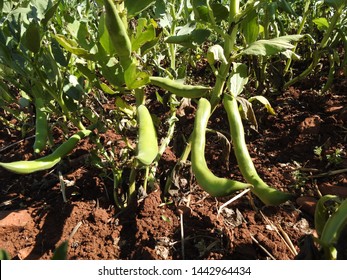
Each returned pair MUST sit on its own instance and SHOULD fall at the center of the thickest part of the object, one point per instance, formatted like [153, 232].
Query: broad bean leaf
[272, 46]
[72, 47]
[265, 102]
[190, 40]
[50, 13]
[322, 23]
[200, 10]
[337, 4]
[216, 54]
[104, 37]
[250, 27]
[220, 12]
[285, 6]
[135, 7]
[144, 34]
[238, 78]
[58, 53]
[134, 78]
[247, 112]
[61, 252]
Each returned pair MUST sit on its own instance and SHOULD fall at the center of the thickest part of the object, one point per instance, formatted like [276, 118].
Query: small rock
[311, 125]
[14, 218]
[307, 204]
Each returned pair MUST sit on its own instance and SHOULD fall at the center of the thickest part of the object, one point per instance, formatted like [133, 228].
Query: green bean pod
[41, 126]
[267, 194]
[332, 230]
[181, 90]
[147, 147]
[118, 33]
[325, 205]
[212, 184]
[47, 162]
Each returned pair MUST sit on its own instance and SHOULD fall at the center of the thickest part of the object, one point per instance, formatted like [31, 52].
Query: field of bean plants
[173, 129]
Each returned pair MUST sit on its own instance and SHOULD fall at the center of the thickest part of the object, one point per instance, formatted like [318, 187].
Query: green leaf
[50, 13]
[58, 53]
[200, 10]
[247, 112]
[135, 7]
[220, 11]
[272, 46]
[285, 6]
[134, 78]
[4, 255]
[337, 4]
[238, 79]
[143, 34]
[322, 23]
[33, 37]
[72, 47]
[104, 37]
[125, 107]
[190, 40]
[265, 102]
[215, 54]
[250, 27]
[61, 252]
[106, 88]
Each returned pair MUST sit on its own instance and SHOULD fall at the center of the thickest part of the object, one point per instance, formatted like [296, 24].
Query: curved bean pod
[179, 89]
[118, 33]
[212, 184]
[267, 194]
[147, 148]
[333, 228]
[47, 162]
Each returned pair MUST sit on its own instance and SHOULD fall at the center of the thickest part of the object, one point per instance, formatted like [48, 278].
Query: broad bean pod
[181, 90]
[332, 230]
[212, 184]
[118, 34]
[267, 194]
[147, 147]
[47, 162]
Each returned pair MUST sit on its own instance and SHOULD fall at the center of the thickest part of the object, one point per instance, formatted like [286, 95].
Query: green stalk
[301, 27]
[318, 52]
[331, 28]
[229, 44]
[331, 74]
[132, 186]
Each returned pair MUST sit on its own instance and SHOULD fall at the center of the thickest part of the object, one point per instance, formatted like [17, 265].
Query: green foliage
[67, 59]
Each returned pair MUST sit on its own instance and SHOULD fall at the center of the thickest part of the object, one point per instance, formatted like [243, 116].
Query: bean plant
[67, 59]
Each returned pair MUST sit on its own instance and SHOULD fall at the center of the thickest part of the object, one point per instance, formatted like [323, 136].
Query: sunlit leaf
[238, 78]
[265, 102]
[134, 78]
[135, 7]
[247, 112]
[71, 46]
[322, 23]
[272, 46]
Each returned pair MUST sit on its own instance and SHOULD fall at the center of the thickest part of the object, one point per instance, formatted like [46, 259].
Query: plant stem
[301, 27]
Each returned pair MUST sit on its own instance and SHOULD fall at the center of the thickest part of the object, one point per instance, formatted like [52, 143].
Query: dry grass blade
[16, 143]
[232, 200]
[329, 173]
[75, 230]
[284, 236]
[263, 248]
